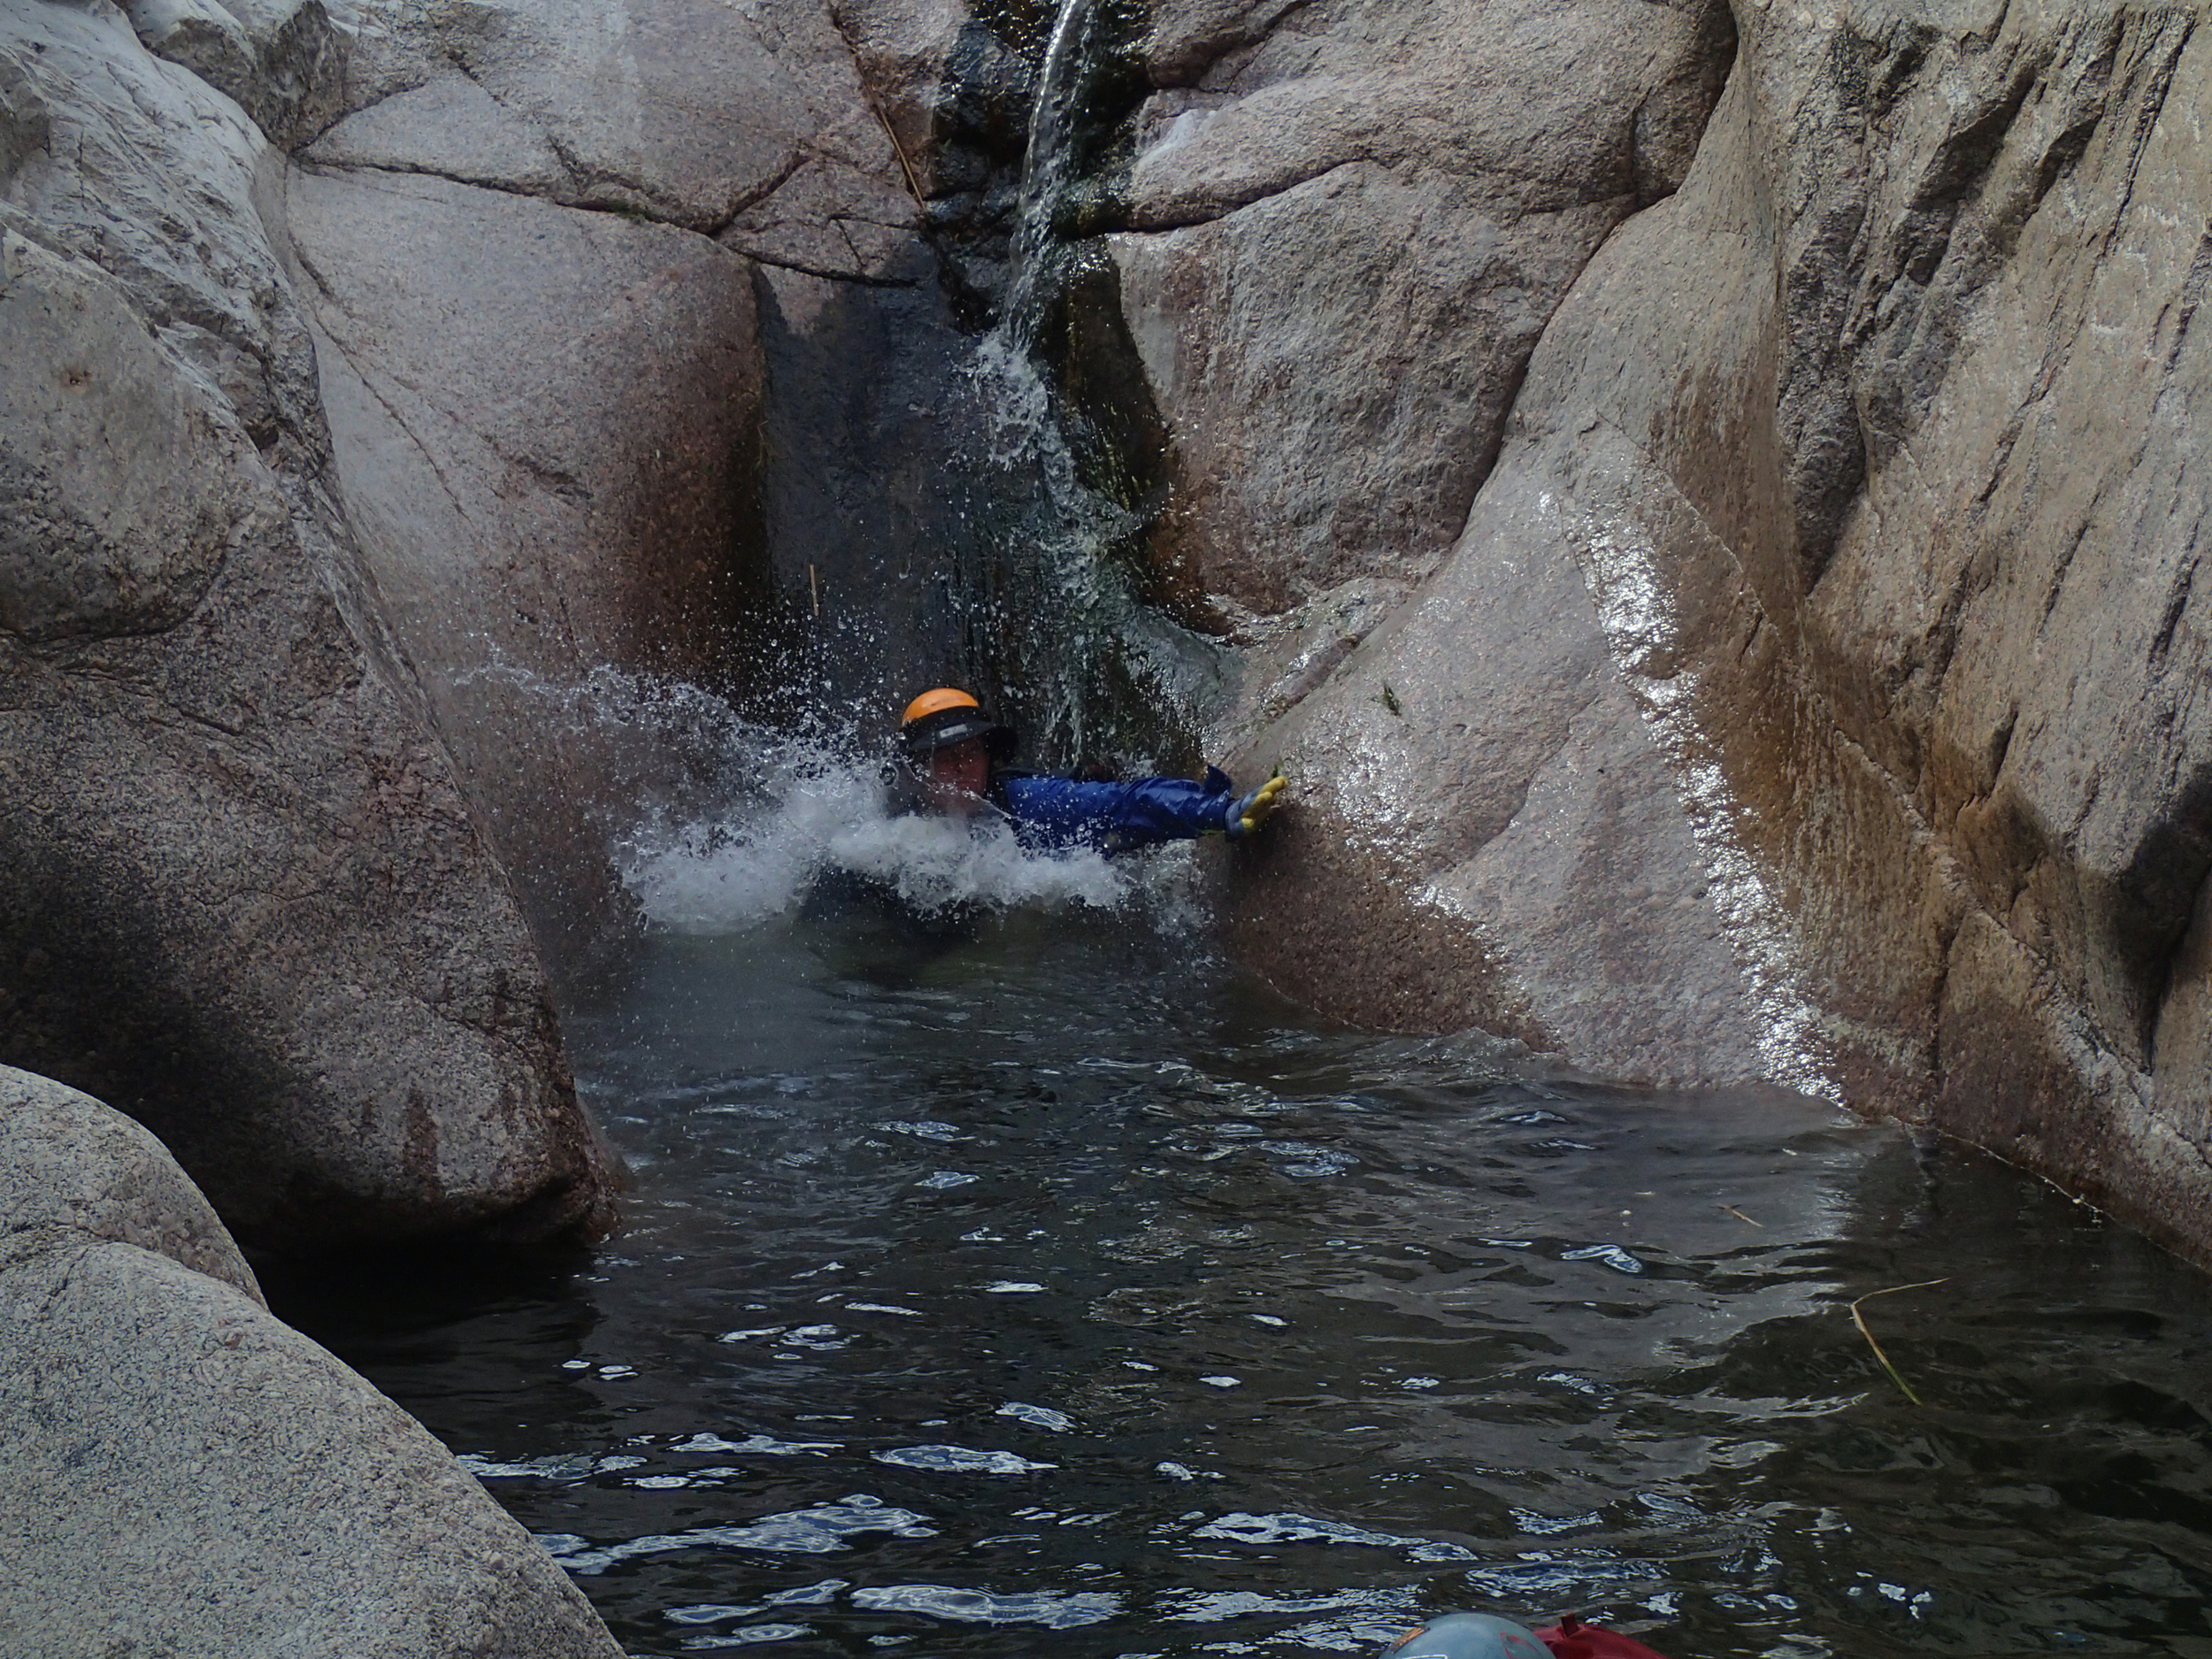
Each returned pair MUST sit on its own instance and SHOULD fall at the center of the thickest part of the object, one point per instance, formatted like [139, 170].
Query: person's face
[958, 775]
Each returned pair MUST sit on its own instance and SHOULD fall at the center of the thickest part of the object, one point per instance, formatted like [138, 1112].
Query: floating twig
[1740, 1216]
[814, 589]
[1895, 1376]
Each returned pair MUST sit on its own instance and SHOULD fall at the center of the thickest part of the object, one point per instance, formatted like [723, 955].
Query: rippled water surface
[1053, 1290]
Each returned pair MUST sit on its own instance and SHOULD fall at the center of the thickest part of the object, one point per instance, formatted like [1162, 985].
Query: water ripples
[823, 1530]
[1245, 1339]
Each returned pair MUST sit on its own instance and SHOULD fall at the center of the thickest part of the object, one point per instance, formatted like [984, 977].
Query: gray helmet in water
[1468, 1636]
[940, 718]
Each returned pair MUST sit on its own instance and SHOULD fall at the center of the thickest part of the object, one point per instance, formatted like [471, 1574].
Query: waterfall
[963, 541]
[1090, 670]
[1048, 164]
[927, 518]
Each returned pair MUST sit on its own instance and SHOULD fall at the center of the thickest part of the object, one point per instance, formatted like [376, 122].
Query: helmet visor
[947, 726]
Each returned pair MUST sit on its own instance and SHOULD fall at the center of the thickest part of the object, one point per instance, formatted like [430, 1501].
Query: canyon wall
[1700, 496]
[244, 893]
[388, 460]
[1809, 691]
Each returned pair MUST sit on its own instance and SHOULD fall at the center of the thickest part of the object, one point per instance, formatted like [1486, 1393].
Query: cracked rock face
[189, 1475]
[1349, 222]
[241, 894]
[1812, 692]
[747, 123]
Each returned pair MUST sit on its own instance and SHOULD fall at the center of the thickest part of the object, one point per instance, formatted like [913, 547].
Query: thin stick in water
[814, 590]
[1895, 1376]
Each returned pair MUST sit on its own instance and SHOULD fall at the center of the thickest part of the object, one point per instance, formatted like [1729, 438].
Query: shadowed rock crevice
[280, 60]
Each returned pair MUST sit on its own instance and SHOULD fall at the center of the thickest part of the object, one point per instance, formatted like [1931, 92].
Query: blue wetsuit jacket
[1113, 816]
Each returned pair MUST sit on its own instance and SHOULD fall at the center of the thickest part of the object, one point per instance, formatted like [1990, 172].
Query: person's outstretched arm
[1144, 813]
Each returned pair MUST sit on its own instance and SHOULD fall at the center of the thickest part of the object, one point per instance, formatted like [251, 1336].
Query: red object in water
[1572, 1639]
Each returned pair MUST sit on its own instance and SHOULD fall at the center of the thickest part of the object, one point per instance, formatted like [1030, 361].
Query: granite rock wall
[242, 892]
[1811, 689]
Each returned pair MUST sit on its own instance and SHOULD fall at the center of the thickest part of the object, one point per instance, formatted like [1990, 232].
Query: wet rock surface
[549, 474]
[1814, 678]
[186, 1474]
[244, 896]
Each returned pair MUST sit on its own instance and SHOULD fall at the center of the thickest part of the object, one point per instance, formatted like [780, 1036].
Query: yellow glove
[1248, 812]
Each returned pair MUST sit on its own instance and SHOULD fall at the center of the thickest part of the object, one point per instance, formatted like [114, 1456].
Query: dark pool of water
[1057, 1291]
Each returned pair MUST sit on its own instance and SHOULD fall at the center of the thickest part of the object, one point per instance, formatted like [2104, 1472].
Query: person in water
[959, 755]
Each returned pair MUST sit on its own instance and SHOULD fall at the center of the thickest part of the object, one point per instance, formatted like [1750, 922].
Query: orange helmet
[930, 702]
[946, 716]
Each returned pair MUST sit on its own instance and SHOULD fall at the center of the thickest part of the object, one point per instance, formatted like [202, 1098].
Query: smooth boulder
[242, 894]
[1345, 230]
[549, 475]
[188, 1476]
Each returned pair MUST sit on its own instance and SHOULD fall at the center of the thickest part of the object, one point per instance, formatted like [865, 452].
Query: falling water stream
[1006, 1273]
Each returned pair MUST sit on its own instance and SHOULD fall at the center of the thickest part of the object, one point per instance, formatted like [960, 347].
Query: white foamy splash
[819, 814]
[734, 824]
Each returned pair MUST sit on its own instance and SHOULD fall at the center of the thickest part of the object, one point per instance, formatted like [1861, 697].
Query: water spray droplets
[792, 814]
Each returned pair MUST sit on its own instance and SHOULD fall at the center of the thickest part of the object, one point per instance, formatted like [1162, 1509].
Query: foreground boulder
[1813, 690]
[186, 1474]
[242, 893]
